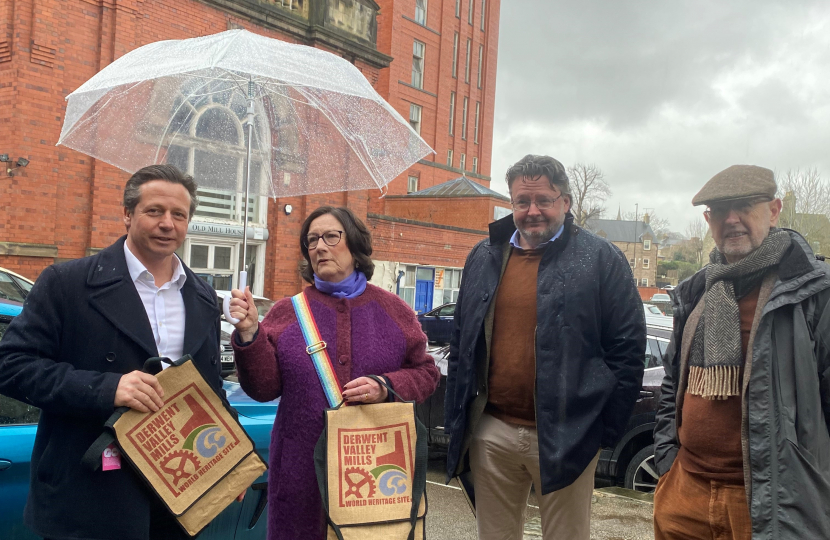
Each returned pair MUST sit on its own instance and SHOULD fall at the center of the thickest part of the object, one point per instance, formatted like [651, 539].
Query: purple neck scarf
[351, 287]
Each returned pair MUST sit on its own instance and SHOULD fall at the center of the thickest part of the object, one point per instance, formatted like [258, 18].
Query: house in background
[636, 240]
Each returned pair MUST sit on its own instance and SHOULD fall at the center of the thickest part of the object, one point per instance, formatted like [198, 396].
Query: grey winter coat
[786, 427]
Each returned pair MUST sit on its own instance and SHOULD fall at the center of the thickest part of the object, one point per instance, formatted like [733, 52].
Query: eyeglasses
[330, 238]
[542, 203]
[741, 207]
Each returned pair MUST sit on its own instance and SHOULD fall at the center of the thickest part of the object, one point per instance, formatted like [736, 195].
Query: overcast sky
[663, 95]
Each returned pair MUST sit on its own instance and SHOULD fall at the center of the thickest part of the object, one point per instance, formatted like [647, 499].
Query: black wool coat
[83, 325]
[590, 349]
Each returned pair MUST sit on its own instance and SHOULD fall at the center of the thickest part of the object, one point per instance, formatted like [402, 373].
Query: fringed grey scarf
[715, 360]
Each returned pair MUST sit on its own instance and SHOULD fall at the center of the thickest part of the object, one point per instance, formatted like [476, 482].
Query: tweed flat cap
[737, 182]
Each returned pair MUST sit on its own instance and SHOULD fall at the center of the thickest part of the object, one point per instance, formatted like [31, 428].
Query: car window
[263, 306]
[9, 289]
[17, 412]
[447, 311]
[654, 358]
[23, 284]
[4, 323]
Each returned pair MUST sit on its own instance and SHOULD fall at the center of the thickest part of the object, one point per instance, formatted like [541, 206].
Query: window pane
[464, 119]
[222, 258]
[410, 276]
[421, 11]
[198, 256]
[218, 124]
[452, 111]
[222, 283]
[449, 158]
[214, 170]
[8, 289]
[467, 64]
[448, 311]
[455, 55]
[480, 62]
[454, 296]
[447, 296]
[425, 274]
[483, 5]
[409, 296]
[25, 285]
[470, 14]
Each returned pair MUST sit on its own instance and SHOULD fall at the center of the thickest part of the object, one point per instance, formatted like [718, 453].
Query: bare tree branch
[588, 192]
[806, 197]
[696, 230]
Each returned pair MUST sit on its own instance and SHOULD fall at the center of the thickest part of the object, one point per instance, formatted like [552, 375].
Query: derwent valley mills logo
[375, 465]
[184, 440]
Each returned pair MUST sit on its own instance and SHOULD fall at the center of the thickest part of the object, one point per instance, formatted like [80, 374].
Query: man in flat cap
[742, 440]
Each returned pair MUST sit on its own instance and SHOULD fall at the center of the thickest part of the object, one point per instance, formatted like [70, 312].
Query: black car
[437, 324]
[630, 463]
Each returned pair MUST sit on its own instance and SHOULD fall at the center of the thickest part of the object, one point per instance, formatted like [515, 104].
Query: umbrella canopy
[318, 125]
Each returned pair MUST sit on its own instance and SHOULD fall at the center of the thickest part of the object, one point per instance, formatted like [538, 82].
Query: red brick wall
[466, 213]
[412, 243]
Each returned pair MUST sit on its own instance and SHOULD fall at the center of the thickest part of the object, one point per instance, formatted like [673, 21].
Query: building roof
[460, 187]
[620, 230]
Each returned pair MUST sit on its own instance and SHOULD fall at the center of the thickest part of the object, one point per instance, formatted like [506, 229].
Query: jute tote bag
[192, 452]
[370, 460]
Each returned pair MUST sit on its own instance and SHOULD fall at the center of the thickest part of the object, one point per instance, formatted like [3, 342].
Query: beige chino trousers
[504, 461]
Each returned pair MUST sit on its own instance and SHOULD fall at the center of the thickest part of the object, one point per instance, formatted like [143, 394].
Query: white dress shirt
[164, 305]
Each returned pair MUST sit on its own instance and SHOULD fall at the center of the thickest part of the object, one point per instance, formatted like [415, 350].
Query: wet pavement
[615, 514]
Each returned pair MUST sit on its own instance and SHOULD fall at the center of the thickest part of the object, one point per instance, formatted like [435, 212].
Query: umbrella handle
[226, 303]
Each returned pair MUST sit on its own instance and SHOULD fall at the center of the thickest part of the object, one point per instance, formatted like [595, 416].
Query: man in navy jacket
[77, 350]
[546, 359]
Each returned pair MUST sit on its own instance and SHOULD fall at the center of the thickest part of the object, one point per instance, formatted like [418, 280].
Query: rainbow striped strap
[316, 349]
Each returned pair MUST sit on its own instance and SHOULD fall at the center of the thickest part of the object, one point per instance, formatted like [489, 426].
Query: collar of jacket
[114, 295]
[503, 229]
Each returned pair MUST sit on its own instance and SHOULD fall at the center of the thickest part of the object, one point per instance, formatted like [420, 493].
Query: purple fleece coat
[375, 333]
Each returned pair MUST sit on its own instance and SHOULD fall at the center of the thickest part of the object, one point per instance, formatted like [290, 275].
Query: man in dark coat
[742, 436]
[77, 349]
[546, 359]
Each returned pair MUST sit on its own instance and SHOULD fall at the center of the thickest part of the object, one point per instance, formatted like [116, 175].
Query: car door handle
[5, 464]
[645, 394]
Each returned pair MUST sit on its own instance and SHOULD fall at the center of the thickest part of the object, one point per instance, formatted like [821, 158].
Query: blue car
[18, 424]
[437, 324]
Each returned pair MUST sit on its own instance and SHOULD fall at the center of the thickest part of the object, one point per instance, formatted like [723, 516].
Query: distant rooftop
[617, 230]
[460, 187]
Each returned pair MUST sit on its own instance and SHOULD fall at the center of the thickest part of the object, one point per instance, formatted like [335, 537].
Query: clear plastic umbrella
[243, 112]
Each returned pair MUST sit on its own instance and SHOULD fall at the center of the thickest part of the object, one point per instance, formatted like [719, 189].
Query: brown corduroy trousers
[688, 507]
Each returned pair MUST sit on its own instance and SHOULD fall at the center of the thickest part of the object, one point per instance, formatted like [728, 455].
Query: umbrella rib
[84, 121]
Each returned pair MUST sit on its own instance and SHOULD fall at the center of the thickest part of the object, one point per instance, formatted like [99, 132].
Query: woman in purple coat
[368, 331]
